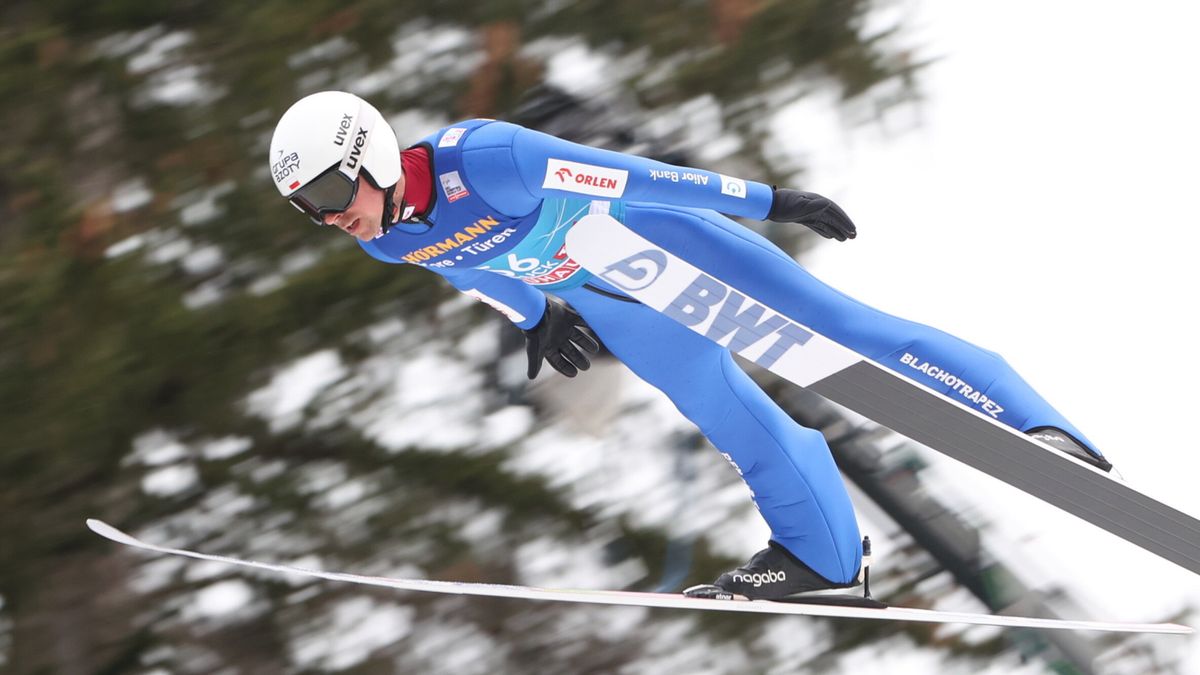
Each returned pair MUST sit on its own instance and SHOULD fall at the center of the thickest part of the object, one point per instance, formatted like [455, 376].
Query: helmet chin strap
[389, 207]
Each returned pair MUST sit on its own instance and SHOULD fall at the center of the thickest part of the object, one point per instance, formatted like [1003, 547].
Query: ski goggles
[330, 192]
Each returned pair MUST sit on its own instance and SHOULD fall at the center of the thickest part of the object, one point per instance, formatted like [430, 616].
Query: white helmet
[322, 143]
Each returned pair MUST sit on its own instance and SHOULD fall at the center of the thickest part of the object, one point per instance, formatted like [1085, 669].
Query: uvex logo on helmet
[343, 127]
[760, 578]
[360, 140]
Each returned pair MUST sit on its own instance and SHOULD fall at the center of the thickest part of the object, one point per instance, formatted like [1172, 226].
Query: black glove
[558, 338]
[813, 210]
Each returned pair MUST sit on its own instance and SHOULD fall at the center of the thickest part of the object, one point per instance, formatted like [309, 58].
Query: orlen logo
[588, 179]
[637, 271]
[758, 579]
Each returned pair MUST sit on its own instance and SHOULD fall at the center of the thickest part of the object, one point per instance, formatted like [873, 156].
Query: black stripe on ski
[931, 420]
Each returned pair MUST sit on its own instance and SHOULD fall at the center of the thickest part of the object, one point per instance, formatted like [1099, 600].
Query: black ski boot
[1066, 443]
[772, 574]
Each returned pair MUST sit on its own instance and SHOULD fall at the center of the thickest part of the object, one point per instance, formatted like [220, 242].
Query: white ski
[713, 308]
[667, 600]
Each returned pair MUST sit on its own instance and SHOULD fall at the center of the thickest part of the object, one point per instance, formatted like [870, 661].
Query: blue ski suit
[504, 198]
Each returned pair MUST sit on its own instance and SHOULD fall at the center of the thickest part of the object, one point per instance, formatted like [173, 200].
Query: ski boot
[772, 574]
[1066, 443]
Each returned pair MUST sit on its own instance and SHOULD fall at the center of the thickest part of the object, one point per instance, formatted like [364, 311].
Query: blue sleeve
[514, 168]
[523, 304]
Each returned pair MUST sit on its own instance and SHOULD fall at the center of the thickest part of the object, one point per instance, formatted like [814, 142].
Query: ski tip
[109, 532]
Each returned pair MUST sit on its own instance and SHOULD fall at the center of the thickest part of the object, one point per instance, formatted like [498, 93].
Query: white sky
[1044, 209]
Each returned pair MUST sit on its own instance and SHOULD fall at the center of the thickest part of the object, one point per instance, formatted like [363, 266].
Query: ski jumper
[504, 198]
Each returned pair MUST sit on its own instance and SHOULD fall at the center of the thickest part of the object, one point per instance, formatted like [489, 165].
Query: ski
[663, 600]
[665, 282]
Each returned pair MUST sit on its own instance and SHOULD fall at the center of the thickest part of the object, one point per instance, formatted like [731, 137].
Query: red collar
[418, 179]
